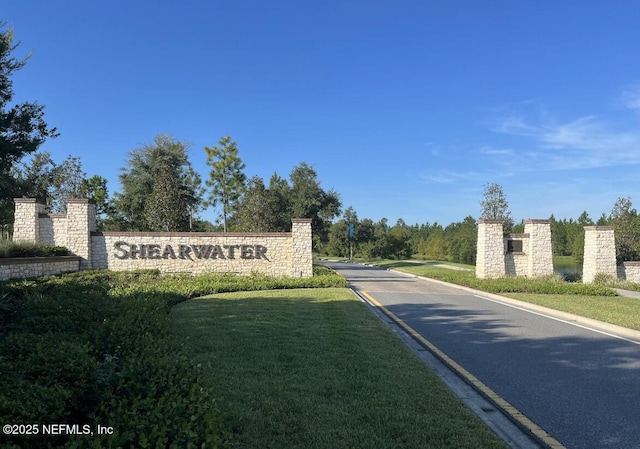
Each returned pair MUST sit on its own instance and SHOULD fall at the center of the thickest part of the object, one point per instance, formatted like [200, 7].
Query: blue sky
[406, 108]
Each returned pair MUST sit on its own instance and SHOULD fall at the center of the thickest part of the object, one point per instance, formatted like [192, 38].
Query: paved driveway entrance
[580, 385]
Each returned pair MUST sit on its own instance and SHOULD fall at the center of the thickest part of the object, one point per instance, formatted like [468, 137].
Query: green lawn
[617, 310]
[313, 368]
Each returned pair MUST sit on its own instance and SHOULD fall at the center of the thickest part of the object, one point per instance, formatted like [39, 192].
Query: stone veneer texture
[540, 252]
[629, 271]
[490, 261]
[275, 254]
[599, 252]
[26, 267]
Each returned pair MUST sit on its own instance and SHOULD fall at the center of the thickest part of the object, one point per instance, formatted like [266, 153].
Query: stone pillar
[301, 248]
[26, 224]
[540, 251]
[81, 221]
[599, 252]
[490, 250]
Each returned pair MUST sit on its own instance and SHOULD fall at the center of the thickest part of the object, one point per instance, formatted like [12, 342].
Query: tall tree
[340, 242]
[436, 248]
[95, 188]
[309, 200]
[255, 214]
[226, 178]
[22, 126]
[495, 205]
[462, 238]
[40, 177]
[279, 197]
[167, 198]
[67, 180]
[193, 183]
[155, 193]
[398, 244]
[626, 220]
[33, 176]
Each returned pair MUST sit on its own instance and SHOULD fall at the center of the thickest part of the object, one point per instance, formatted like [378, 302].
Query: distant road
[580, 385]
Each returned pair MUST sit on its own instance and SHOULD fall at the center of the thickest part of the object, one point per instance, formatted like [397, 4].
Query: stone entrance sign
[529, 254]
[274, 254]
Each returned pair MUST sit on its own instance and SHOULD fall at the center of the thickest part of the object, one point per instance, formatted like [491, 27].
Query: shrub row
[29, 249]
[93, 348]
[546, 285]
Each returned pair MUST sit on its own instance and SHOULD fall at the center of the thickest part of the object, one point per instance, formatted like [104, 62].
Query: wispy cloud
[496, 152]
[450, 177]
[585, 142]
[630, 97]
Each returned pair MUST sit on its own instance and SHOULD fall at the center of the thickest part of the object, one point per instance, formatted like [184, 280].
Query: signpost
[351, 234]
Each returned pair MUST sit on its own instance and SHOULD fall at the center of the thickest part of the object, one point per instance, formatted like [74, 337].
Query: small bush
[572, 276]
[604, 279]
[29, 249]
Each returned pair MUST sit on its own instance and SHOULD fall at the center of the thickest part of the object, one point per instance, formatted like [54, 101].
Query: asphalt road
[581, 386]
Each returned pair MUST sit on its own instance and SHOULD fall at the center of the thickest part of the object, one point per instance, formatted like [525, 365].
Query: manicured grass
[313, 368]
[617, 310]
[544, 285]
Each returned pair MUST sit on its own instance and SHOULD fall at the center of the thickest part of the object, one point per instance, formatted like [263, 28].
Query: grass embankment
[594, 301]
[315, 369]
[299, 368]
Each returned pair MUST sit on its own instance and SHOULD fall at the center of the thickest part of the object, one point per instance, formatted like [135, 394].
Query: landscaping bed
[95, 349]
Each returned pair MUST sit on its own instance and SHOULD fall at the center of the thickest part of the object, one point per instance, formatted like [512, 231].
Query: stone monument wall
[274, 254]
[529, 254]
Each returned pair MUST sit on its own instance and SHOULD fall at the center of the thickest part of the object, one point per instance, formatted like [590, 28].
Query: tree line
[160, 191]
[457, 242]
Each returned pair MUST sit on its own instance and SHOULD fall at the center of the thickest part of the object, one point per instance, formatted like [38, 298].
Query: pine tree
[226, 179]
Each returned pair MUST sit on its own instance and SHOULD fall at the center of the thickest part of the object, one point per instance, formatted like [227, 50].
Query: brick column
[540, 252]
[490, 250]
[301, 248]
[599, 252]
[26, 222]
[81, 221]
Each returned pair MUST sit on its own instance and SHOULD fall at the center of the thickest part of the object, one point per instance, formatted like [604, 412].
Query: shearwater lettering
[124, 250]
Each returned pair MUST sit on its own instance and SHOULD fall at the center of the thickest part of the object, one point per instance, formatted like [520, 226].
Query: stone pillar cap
[29, 200]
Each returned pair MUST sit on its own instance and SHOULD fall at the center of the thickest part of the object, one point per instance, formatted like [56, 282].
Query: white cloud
[515, 125]
[443, 177]
[631, 97]
[496, 152]
[586, 142]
